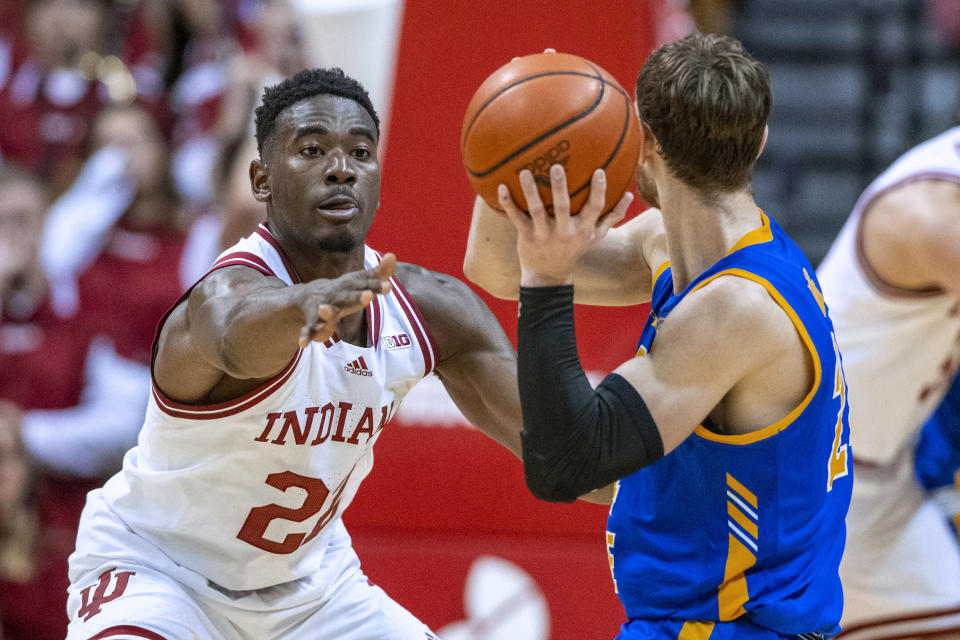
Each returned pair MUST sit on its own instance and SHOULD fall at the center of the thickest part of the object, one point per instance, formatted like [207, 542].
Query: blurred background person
[69, 409]
[117, 236]
[892, 283]
[52, 94]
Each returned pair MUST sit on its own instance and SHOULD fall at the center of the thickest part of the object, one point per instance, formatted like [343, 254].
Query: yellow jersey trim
[659, 272]
[783, 423]
[758, 236]
[696, 630]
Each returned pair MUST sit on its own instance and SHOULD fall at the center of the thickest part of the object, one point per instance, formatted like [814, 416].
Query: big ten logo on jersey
[95, 596]
[399, 341]
[328, 422]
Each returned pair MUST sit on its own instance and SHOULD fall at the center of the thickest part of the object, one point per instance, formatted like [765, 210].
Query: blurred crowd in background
[125, 137]
[125, 134]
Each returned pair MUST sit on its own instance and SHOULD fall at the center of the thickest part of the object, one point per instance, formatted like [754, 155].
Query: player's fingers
[594, 207]
[386, 268]
[550, 50]
[618, 213]
[538, 214]
[510, 208]
[561, 198]
[321, 328]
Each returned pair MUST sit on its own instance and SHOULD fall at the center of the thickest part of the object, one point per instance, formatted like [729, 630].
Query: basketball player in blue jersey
[726, 437]
[273, 377]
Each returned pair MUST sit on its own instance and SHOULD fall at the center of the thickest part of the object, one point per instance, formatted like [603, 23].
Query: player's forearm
[256, 335]
[575, 439]
[491, 257]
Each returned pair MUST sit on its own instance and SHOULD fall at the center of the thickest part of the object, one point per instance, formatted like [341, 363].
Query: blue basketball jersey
[937, 459]
[740, 536]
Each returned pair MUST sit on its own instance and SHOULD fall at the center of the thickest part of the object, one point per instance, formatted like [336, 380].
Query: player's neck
[312, 264]
[700, 233]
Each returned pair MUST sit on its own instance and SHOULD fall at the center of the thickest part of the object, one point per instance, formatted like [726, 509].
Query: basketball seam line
[548, 133]
[623, 134]
[623, 131]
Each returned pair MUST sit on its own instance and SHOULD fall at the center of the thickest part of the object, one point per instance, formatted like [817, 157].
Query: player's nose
[339, 169]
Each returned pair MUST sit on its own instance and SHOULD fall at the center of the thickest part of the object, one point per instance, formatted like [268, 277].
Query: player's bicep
[180, 370]
[477, 362]
[225, 319]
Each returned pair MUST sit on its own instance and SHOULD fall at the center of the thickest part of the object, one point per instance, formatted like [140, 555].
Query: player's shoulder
[921, 205]
[454, 313]
[740, 309]
[437, 293]
[231, 279]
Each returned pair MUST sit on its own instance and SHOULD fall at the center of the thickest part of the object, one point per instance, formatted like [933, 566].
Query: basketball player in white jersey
[892, 283]
[272, 379]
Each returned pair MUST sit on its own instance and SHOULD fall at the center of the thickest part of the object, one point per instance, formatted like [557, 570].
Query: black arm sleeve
[575, 439]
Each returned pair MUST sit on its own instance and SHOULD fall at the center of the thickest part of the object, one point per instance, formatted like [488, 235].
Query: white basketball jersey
[900, 348]
[244, 492]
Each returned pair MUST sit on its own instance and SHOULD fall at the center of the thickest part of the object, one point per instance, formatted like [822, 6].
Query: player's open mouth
[338, 209]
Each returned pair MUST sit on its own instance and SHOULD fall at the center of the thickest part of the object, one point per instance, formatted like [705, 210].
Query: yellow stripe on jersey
[696, 630]
[748, 525]
[815, 292]
[733, 593]
[786, 421]
[745, 493]
[658, 273]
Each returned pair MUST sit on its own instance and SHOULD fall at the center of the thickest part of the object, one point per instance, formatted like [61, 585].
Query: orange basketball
[545, 109]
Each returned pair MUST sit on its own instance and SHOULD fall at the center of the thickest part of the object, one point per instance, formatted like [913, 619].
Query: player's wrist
[529, 278]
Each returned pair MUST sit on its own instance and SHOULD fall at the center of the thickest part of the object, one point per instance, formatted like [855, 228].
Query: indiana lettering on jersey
[331, 422]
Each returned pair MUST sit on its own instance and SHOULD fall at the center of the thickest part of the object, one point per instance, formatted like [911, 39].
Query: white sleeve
[90, 439]
[78, 222]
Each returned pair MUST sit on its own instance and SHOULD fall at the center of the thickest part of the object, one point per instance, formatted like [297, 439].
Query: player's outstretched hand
[339, 298]
[550, 245]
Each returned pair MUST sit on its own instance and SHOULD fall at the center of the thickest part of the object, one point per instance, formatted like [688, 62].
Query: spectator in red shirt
[69, 408]
[118, 234]
[52, 95]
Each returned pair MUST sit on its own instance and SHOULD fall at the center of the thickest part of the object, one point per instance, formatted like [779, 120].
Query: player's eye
[311, 150]
[361, 153]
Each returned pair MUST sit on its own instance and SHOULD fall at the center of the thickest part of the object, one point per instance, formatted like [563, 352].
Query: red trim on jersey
[866, 630]
[264, 232]
[224, 409]
[375, 321]
[242, 258]
[128, 630]
[428, 347]
[874, 278]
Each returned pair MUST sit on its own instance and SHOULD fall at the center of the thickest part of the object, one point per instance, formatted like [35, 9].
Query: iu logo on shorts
[90, 605]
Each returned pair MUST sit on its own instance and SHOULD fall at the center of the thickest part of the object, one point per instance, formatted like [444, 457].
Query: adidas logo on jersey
[358, 367]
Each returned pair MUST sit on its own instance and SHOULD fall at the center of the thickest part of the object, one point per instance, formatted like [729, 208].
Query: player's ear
[260, 180]
[648, 142]
[763, 141]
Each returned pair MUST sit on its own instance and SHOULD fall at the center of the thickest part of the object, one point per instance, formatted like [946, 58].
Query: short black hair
[306, 84]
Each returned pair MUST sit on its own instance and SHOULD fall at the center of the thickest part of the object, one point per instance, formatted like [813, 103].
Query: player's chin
[337, 241]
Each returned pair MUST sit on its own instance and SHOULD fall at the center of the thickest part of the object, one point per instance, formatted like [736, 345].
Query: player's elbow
[544, 483]
[551, 491]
